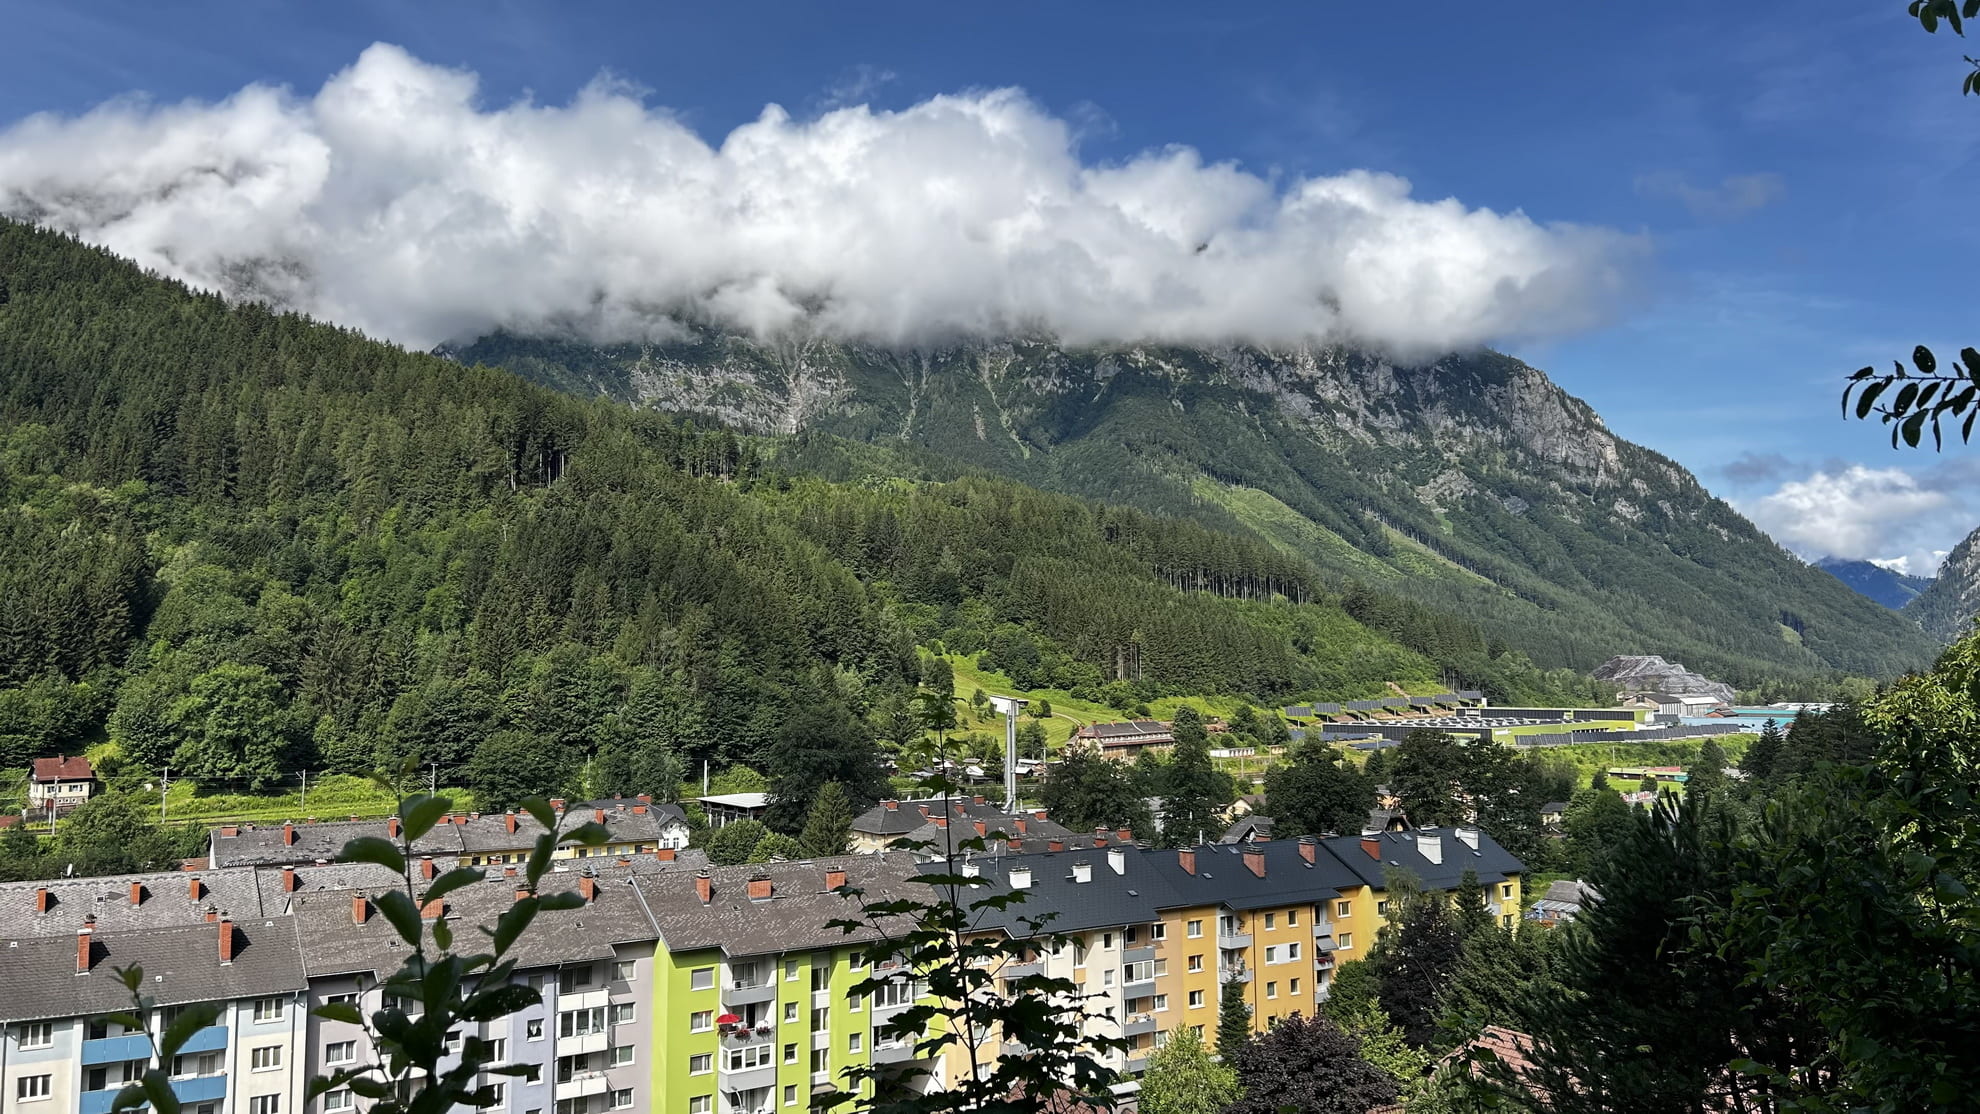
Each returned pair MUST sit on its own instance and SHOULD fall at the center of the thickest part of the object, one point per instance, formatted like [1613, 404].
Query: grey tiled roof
[266, 845]
[166, 900]
[793, 918]
[457, 834]
[180, 965]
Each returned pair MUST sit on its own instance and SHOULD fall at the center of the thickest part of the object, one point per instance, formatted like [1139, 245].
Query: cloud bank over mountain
[393, 200]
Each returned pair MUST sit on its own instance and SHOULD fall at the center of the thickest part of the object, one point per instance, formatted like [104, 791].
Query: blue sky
[1799, 178]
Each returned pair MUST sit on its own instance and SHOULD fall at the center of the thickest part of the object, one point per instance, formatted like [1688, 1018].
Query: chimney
[288, 833]
[1373, 846]
[941, 821]
[83, 943]
[1020, 878]
[426, 868]
[212, 913]
[433, 910]
[970, 869]
[598, 816]
[229, 831]
[664, 854]
[556, 804]
[194, 888]
[1186, 858]
[1020, 821]
[891, 806]
[354, 818]
[624, 860]
[1038, 814]
[835, 878]
[759, 887]
[1055, 844]
[1468, 836]
[360, 909]
[924, 810]
[982, 829]
[978, 798]
[289, 882]
[588, 886]
[1254, 860]
[1117, 860]
[137, 892]
[1430, 845]
[508, 872]
[704, 886]
[644, 798]
[522, 892]
[1015, 846]
[1124, 835]
[226, 940]
[460, 819]
[1308, 847]
[1082, 872]
[639, 810]
[391, 827]
[42, 899]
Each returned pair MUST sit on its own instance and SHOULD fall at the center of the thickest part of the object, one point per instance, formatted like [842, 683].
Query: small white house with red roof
[59, 784]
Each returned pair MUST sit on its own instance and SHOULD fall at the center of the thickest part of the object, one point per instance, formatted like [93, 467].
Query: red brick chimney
[644, 798]
[508, 872]
[360, 909]
[392, 827]
[639, 810]
[521, 892]
[704, 886]
[509, 822]
[1099, 837]
[426, 867]
[759, 888]
[1056, 844]
[982, 829]
[1038, 814]
[1373, 846]
[194, 888]
[1016, 846]
[289, 882]
[1186, 858]
[83, 944]
[229, 831]
[978, 798]
[940, 821]
[588, 886]
[226, 940]
[1254, 860]
[1020, 822]
[624, 860]
[598, 815]
[288, 833]
[43, 900]
[1308, 847]
[212, 913]
[664, 854]
[1124, 835]
[556, 804]
[891, 806]
[835, 878]
[137, 893]
[433, 910]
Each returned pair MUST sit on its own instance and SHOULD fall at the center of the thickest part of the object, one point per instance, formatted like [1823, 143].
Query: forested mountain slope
[1948, 604]
[1875, 582]
[1474, 486]
[244, 543]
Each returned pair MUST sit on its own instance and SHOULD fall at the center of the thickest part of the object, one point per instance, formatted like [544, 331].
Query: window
[622, 1013]
[622, 1098]
[1272, 953]
[1271, 990]
[1139, 972]
[1107, 941]
[1158, 931]
[574, 979]
[820, 1019]
[337, 1100]
[498, 1050]
[533, 1029]
[340, 1052]
[856, 1043]
[748, 1056]
[821, 976]
[266, 1058]
[104, 1078]
[1292, 918]
[1345, 942]
[898, 992]
[1293, 987]
[790, 1054]
[790, 1094]
[500, 1092]
[701, 1064]
[577, 1023]
[821, 1061]
[700, 1104]
[1342, 908]
[98, 1030]
[701, 978]
[451, 1043]
[790, 1013]
[623, 970]
[859, 961]
[29, 1087]
[1196, 962]
[1271, 921]
[700, 1021]
[619, 1056]
[1292, 952]
[1382, 908]
[196, 1063]
[1107, 977]
[1161, 1003]
[1196, 999]
[1505, 891]
[790, 970]
[267, 1009]
[265, 1104]
[37, 1034]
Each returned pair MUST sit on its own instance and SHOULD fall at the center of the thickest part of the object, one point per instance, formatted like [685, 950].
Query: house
[60, 784]
[1679, 704]
[726, 808]
[1126, 739]
[634, 826]
[1563, 903]
[1249, 828]
[935, 824]
[1553, 812]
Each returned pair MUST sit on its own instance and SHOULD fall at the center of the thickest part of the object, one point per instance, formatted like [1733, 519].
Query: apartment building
[636, 825]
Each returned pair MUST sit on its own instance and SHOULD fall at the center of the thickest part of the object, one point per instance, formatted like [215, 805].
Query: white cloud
[394, 201]
[1899, 519]
[1735, 195]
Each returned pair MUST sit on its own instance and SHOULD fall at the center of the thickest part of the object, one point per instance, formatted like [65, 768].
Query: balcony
[1233, 974]
[1139, 955]
[579, 1043]
[1324, 941]
[893, 1052]
[1323, 928]
[748, 993]
[750, 1079]
[582, 1083]
[1138, 1024]
[737, 1035]
[583, 999]
[1136, 1065]
[1140, 988]
[1023, 970]
[1324, 961]
[1231, 939]
[213, 1038]
[111, 1050]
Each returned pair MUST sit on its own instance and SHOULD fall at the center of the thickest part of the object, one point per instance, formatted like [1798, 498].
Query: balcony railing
[744, 992]
[1137, 1024]
[1233, 974]
[1231, 939]
[112, 1050]
[579, 1084]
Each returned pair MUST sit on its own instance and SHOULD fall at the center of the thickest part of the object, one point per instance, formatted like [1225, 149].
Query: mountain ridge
[1946, 607]
[1888, 588]
[1473, 483]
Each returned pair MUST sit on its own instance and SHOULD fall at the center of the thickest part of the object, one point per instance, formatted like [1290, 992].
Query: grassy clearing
[335, 797]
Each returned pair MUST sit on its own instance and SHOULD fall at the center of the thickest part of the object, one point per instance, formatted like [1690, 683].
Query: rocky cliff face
[1648, 674]
[1946, 608]
[1472, 485]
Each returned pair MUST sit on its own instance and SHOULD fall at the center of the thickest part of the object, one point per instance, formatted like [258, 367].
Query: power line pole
[304, 803]
[164, 784]
[433, 780]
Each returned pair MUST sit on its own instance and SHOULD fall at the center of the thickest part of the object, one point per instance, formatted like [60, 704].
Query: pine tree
[1233, 1020]
[828, 828]
[1758, 764]
[1708, 774]
[1195, 788]
[1415, 963]
[1468, 906]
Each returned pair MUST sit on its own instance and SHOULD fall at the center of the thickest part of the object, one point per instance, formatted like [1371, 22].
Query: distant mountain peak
[1888, 587]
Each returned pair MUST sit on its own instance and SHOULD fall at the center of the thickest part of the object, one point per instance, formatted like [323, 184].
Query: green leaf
[561, 901]
[498, 1001]
[1869, 397]
[192, 1020]
[452, 880]
[540, 809]
[421, 813]
[1914, 426]
[372, 849]
[1905, 397]
[511, 923]
[1923, 360]
[339, 1011]
[589, 834]
[399, 909]
[443, 935]
[1863, 373]
[366, 1087]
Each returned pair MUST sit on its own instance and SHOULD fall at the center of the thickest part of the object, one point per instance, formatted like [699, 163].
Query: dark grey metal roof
[1491, 862]
[1133, 895]
[180, 965]
[1222, 878]
[1248, 828]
